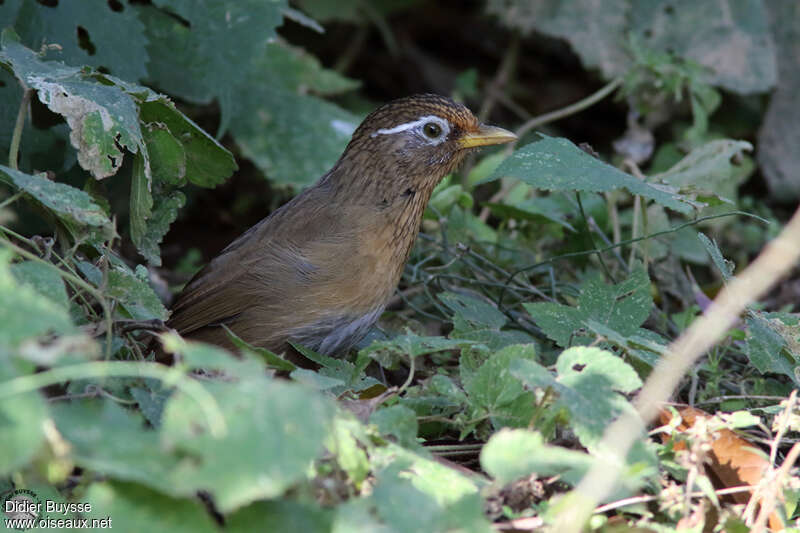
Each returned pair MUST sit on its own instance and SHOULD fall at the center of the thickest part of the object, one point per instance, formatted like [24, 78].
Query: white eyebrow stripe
[413, 124]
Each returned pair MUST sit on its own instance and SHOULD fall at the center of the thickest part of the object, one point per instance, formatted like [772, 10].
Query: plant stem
[13, 150]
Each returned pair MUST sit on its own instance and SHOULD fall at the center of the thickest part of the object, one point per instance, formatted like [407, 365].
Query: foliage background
[144, 136]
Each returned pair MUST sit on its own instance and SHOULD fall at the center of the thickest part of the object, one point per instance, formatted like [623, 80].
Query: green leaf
[102, 118]
[24, 313]
[594, 33]
[141, 201]
[293, 139]
[116, 35]
[44, 279]
[129, 507]
[587, 386]
[555, 164]
[70, 204]
[166, 153]
[398, 421]
[511, 454]
[207, 163]
[134, 293]
[725, 267]
[476, 319]
[162, 216]
[203, 60]
[274, 431]
[280, 515]
[766, 343]
[622, 307]
[22, 416]
[709, 170]
[492, 390]
[272, 359]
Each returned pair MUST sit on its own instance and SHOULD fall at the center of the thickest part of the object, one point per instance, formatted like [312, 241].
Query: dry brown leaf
[734, 460]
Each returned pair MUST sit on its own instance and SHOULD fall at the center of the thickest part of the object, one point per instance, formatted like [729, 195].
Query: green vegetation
[545, 288]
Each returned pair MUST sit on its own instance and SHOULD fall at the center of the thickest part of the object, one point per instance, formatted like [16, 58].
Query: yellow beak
[485, 136]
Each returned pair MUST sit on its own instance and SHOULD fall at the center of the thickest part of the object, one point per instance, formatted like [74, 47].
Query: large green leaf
[274, 431]
[114, 37]
[555, 164]
[22, 416]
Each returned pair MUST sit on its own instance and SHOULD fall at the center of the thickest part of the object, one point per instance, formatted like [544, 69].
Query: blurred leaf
[71, 204]
[151, 398]
[44, 279]
[25, 313]
[622, 307]
[779, 137]
[398, 421]
[595, 34]
[555, 164]
[280, 515]
[22, 416]
[514, 453]
[102, 118]
[479, 320]
[730, 38]
[133, 508]
[275, 430]
[708, 169]
[114, 38]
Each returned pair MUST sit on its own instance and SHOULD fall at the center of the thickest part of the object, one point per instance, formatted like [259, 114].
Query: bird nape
[320, 270]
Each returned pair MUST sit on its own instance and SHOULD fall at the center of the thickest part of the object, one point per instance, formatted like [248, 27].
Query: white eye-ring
[432, 129]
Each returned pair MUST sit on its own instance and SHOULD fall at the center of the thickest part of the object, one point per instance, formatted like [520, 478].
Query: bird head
[417, 140]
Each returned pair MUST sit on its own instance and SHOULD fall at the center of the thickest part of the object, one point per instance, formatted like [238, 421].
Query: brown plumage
[320, 269]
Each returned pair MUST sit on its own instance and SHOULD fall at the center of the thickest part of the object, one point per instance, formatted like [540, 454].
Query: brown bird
[320, 270]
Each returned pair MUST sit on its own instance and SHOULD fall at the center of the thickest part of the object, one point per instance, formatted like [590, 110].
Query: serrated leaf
[622, 307]
[555, 164]
[765, 346]
[102, 118]
[134, 294]
[587, 387]
[71, 204]
[493, 390]
[157, 224]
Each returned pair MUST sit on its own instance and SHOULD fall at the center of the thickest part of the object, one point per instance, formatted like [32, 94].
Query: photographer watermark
[23, 510]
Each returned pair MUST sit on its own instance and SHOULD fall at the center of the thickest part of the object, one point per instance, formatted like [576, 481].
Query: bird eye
[432, 130]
